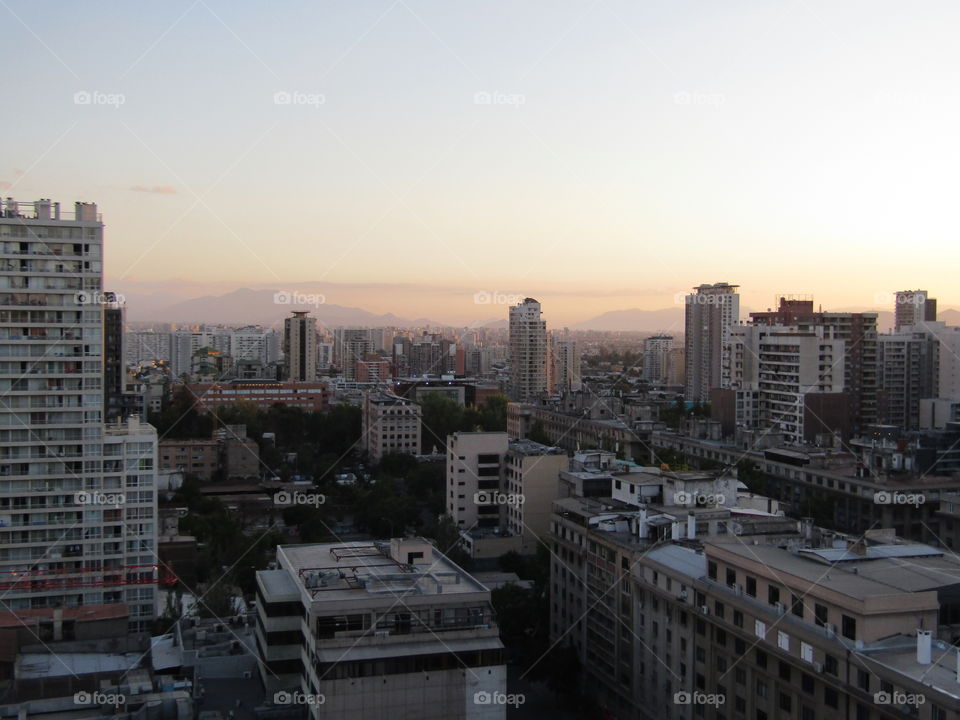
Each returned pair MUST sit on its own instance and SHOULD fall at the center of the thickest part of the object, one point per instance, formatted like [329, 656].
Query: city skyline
[318, 152]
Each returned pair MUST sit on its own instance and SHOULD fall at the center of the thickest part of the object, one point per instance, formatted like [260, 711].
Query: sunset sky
[599, 155]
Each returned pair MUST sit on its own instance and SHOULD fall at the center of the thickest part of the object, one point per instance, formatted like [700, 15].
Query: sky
[598, 155]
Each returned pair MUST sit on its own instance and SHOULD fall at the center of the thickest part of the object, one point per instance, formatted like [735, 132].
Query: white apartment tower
[710, 313]
[300, 347]
[77, 499]
[528, 351]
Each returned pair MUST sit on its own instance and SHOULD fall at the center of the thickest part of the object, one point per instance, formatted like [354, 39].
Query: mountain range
[267, 307]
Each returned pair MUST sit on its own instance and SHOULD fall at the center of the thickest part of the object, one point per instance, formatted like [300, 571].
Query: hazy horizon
[406, 155]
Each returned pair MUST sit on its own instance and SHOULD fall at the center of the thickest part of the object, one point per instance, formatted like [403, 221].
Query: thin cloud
[156, 189]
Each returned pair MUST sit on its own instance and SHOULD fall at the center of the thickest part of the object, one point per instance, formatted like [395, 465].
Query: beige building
[300, 347]
[800, 625]
[391, 424]
[528, 351]
[378, 631]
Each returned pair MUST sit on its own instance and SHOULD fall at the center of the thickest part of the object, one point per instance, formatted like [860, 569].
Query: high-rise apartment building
[913, 307]
[77, 497]
[528, 351]
[859, 333]
[564, 363]
[300, 347]
[908, 361]
[350, 346]
[657, 359]
[709, 314]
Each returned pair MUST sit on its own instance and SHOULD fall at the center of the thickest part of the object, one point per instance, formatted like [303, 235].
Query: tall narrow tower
[528, 351]
[710, 313]
[300, 347]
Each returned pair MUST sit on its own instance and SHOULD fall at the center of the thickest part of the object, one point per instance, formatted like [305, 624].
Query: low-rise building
[378, 631]
[390, 424]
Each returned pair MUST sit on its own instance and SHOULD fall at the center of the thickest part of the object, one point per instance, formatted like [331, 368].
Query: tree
[537, 433]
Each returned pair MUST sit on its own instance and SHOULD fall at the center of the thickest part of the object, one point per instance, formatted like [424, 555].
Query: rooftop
[340, 571]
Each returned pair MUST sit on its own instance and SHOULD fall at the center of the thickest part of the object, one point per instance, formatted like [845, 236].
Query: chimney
[675, 530]
[643, 528]
[924, 644]
[691, 526]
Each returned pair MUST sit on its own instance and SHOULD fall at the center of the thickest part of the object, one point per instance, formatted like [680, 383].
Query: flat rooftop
[868, 576]
[341, 571]
[530, 447]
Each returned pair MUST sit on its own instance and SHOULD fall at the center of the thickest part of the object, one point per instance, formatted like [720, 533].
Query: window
[820, 614]
[863, 680]
[751, 586]
[762, 689]
[773, 594]
[718, 609]
[731, 577]
[783, 640]
[796, 606]
[738, 618]
[761, 659]
[760, 628]
[712, 569]
[806, 652]
[848, 626]
[786, 702]
[807, 683]
[830, 697]
[740, 675]
[830, 665]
